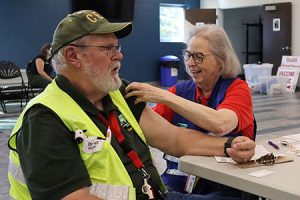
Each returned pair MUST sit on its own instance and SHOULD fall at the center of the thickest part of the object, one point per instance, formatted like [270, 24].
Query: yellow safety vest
[107, 172]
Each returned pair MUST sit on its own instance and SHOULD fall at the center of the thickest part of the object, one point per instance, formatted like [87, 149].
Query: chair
[32, 91]
[12, 86]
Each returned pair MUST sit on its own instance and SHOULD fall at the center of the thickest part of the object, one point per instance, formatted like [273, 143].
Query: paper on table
[261, 173]
[293, 142]
[260, 150]
[295, 149]
[293, 137]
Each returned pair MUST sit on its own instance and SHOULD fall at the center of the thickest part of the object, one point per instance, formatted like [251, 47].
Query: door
[277, 26]
[207, 16]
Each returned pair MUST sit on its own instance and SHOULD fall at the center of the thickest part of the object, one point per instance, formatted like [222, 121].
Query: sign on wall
[276, 24]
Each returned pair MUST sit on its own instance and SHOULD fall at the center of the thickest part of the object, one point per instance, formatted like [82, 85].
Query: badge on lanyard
[189, 186]
[92, 144]
[124, 123]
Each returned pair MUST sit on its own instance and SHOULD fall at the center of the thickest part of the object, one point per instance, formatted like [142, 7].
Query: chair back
[11, 90]
[32, 91]
[9, 70]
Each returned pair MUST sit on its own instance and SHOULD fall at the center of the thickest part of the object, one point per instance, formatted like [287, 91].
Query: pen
[273, 145]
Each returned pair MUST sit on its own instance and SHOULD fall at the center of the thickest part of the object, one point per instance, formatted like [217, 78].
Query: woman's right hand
[146, 93]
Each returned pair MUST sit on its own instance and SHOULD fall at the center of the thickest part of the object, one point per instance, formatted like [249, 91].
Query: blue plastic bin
[169, 65]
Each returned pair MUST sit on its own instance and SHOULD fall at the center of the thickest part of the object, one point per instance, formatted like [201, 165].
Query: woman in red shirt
[214, 101]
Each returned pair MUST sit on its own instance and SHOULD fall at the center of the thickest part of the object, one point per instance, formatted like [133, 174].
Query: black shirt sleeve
[49, 156]
[136, 109]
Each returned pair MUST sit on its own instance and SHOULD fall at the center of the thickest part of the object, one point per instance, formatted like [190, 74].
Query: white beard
[104, 82]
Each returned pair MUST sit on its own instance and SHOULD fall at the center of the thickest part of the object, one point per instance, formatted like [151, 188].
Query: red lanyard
[115, 127]
[133, 156]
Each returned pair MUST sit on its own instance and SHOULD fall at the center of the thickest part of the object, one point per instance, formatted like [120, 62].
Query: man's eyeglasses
[111, 49]
[198, 57]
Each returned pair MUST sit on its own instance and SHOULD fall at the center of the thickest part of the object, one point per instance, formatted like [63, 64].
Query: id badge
[190, 183]
[92, 144]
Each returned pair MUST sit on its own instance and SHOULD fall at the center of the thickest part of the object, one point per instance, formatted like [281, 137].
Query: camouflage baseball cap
[82, 23]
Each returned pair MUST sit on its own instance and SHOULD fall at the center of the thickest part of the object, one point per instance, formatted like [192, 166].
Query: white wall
[225, 4]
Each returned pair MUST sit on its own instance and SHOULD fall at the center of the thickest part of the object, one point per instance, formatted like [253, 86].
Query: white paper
[92, 144]
[261, 173]
[260, 151]
[293, 137]
[294, 149]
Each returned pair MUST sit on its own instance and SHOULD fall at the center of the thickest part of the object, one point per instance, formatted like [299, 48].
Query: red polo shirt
[237, 98]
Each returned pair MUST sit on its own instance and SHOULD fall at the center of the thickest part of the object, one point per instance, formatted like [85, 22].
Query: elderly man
[80, 139]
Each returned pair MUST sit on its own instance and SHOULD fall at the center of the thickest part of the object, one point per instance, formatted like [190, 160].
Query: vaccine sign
[290, 67]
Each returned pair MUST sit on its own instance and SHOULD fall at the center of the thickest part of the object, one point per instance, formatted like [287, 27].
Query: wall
[26, 25]
[225, 4]
[142, 49]
[234, 20]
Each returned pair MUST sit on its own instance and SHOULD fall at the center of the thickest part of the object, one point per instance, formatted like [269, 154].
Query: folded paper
[268, 159]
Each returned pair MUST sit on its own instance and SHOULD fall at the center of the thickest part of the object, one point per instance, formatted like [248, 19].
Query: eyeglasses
[111, 50]
[198, 57]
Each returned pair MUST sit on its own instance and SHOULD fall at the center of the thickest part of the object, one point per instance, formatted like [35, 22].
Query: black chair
[16, 89]
[32, 91]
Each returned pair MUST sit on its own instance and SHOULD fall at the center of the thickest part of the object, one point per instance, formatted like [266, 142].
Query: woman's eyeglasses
[198, 57]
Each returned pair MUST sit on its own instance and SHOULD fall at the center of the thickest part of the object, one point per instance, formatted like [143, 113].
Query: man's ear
[71, 55]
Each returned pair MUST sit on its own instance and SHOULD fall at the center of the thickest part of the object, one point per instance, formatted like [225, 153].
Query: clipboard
[268, 159]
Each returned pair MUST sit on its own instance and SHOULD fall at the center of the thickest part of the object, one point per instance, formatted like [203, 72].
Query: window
[172, 20]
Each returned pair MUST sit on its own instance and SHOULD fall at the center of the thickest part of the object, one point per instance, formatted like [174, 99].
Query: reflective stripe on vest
[110, 192]
[104, 191]
[15, 171]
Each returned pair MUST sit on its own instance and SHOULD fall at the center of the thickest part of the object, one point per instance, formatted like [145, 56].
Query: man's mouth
[115, 68]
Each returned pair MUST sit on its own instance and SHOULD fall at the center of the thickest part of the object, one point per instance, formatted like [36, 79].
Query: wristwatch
[228, 145]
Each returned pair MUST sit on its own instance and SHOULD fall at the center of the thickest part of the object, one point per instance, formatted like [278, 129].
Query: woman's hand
[146, 93]
[242, 149]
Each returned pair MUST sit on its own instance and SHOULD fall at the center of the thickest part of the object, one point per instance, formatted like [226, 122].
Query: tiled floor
[277, 114]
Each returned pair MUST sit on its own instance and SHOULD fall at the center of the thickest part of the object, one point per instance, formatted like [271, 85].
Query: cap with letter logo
[85, 22]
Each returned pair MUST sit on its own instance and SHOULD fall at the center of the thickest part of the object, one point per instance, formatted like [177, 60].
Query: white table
[284, 184]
